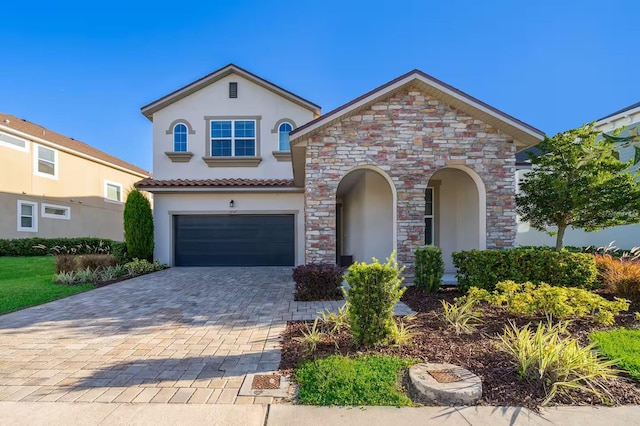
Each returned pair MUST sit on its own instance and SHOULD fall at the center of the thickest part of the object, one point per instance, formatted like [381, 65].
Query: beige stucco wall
[213, 100]
[168, 204]
[456, 214]
[368, 218]
[79, 185]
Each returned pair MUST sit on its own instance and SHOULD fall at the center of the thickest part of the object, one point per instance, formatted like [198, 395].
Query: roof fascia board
[41, 141]
[621, 115]
[178, 189]
[149, 109]
[394, 86]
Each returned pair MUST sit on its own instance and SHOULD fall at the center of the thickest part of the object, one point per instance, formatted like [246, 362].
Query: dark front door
[234, 240]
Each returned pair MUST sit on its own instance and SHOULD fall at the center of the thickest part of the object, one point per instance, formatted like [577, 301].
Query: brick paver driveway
[179, 335]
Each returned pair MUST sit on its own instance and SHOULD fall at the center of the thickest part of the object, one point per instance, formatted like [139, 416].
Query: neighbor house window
[13, 142]
[53, 211]
[180, 138]
[46, 161]
[429, 236]
[233, 138]
[283, 136]
[27, 216]
[113, 191]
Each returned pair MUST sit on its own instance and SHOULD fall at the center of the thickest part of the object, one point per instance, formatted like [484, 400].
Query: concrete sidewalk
[69, 414]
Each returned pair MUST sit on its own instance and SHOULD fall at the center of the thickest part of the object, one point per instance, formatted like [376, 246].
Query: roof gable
[149, 109]
[524, 134]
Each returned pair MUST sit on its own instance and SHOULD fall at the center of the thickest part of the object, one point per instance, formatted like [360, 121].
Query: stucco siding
[214, 101]
[79, 185]
[168, 204]
[456, 214]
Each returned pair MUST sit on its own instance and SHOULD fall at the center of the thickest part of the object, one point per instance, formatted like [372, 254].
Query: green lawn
[26, 281]
[365, 380]
[622, 345]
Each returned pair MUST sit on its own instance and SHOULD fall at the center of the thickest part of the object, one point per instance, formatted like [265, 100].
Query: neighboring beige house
[247, 173]
[625, 237]
[55, 186]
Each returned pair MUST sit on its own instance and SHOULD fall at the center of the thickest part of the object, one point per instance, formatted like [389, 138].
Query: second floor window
[283, 136]
[180, 138]
[233, 138]
[46, 161]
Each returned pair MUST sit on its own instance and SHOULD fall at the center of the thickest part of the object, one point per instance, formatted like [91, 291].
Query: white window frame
[36, 148]
[34, 216]
[233, 137]
[12, 146]
[173, 134]
[431, 216]
[67, 209]
[287, 148]
[106, 187]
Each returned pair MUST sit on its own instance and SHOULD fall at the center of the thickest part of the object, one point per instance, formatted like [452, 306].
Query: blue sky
[84, 69]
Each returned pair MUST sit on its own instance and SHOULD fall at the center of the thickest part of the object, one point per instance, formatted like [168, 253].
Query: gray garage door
[237, 240]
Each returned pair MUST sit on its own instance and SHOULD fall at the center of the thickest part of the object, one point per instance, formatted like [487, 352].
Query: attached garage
[234, 240]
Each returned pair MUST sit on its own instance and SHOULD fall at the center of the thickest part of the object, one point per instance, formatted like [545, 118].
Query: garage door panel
[237, 240]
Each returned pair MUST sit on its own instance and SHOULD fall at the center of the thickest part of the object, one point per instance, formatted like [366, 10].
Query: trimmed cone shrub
[429, 268]
[374, 289]
[138, 226]
[318, 281]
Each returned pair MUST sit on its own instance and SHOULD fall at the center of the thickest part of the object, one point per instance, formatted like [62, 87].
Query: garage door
[237, 240]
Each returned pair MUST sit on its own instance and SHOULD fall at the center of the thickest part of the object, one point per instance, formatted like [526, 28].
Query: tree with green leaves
[578, 181]
[138, 226]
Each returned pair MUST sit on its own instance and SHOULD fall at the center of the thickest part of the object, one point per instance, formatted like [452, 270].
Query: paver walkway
[183, 335]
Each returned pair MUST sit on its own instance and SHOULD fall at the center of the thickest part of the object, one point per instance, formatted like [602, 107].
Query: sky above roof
[85, 69]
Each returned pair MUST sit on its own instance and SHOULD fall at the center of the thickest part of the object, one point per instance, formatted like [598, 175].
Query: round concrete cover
[466, 391]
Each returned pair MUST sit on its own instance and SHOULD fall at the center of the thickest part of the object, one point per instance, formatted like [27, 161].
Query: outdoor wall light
[231, 204]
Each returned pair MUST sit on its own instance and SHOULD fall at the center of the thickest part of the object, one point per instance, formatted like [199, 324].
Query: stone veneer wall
[410, 136]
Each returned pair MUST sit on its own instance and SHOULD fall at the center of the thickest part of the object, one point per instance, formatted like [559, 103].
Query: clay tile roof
[35, 130]
[211, 183]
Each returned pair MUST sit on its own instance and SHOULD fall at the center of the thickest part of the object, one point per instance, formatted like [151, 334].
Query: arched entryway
[365, 216]
[455, 212]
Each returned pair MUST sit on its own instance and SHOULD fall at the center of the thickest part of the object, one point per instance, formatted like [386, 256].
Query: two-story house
[247, 173]
[55, 186]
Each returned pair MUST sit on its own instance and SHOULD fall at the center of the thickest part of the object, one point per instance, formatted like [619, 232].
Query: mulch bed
[477, 352]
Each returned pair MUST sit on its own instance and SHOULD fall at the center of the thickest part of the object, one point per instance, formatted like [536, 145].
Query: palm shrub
[374, 289]
[138, 226]
[429, 268]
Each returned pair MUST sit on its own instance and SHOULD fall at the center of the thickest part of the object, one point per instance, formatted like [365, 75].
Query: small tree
[578, 181]
[138, 226]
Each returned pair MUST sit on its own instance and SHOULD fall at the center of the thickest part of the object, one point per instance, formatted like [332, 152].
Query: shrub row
[107, 272]
[546, 301]
[34, 246]
[485, 268]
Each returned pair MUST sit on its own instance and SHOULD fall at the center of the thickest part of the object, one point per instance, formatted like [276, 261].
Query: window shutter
[233, 90]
